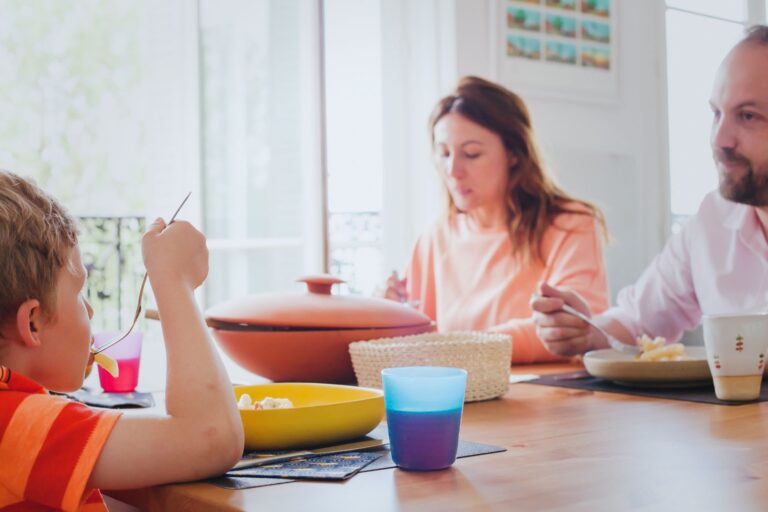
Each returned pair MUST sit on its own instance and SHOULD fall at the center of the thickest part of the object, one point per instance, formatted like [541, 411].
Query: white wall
[613, 153]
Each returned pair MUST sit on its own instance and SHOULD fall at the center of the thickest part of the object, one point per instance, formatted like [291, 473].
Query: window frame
[756, 14]
[314, 236]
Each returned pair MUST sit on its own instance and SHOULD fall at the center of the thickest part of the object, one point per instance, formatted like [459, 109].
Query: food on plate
[246, 403]
[656, 349]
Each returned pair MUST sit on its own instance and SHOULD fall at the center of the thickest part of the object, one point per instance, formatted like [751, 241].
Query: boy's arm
[201, 434]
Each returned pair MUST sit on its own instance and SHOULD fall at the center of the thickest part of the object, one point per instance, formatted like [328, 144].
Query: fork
[612, 341]
[141, 295]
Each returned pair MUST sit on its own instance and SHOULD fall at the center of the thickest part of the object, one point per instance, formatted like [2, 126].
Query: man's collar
[739, 215]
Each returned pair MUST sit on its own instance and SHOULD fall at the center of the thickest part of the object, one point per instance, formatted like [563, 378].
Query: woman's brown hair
[533, 200]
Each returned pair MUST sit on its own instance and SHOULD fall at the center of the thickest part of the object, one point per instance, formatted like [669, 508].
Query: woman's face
[472, 162]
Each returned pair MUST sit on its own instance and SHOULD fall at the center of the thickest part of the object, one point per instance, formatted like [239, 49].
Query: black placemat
[465, 449]
[98, 398]
[582, 380]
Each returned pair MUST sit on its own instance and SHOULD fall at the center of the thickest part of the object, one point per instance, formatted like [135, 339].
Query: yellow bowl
[322, 414]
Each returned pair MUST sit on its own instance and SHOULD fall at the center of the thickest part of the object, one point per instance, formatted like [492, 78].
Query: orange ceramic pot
[305, 337]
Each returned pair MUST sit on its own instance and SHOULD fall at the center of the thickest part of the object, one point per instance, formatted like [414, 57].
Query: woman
[507, 226]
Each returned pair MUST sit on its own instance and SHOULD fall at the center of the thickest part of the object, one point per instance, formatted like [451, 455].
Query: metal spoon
[141, 295]
[613, 342]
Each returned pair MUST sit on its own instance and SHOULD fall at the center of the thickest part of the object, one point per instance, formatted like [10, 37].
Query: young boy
[55, 453]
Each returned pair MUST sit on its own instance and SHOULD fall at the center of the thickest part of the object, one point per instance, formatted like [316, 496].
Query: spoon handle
[141, 294]
[612, 341]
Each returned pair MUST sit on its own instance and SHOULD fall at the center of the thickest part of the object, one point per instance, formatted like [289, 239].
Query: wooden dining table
[566, 449]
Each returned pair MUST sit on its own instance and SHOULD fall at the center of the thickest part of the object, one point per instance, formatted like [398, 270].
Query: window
[353, 75]
[72, 82]
[261, 144]
[141, 101]
[699, 34]
[733, 11]
[269, 214]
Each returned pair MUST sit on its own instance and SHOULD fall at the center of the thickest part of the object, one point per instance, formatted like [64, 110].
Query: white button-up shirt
[717, 264]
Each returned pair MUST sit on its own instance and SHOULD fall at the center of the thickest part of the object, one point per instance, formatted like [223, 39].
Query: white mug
[736, 352]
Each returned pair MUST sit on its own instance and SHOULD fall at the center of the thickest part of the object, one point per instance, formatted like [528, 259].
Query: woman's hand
[396, 288]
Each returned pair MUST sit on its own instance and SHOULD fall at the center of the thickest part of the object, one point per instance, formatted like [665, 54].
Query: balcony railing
[111, 251]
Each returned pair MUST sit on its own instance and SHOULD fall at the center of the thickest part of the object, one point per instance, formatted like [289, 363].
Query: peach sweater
[466, 279]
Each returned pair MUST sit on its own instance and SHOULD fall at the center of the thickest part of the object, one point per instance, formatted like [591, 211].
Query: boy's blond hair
[36, 235]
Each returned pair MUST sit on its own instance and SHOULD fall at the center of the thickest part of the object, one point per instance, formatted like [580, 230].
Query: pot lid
[316, 307]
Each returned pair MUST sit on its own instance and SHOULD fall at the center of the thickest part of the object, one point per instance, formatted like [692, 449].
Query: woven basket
[485, 356]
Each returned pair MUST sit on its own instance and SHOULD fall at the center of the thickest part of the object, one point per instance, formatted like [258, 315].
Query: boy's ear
[28, 322]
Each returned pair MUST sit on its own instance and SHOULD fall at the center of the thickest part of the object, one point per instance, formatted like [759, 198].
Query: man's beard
[751, 188]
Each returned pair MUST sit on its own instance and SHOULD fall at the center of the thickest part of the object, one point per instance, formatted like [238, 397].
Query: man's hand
[562, 333]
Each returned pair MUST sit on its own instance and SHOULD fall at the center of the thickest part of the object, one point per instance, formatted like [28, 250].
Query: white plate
[625, 369]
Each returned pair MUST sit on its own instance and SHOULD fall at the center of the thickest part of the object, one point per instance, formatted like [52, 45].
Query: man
[718, 263]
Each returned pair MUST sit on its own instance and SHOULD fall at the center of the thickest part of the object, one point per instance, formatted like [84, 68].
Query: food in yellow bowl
[322, 414]
[247, 403]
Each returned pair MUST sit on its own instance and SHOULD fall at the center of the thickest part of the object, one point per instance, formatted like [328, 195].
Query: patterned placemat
[339, 466]
[699, 393]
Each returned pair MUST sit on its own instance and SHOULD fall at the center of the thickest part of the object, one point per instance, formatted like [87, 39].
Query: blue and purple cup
[424, 405]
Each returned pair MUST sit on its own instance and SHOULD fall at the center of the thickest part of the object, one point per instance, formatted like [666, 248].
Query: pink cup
[127, 353]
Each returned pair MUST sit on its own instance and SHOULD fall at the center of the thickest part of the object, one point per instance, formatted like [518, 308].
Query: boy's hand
[200, 434]
[175, 252]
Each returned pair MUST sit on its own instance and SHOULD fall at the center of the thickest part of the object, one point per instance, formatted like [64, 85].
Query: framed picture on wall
[561, 48]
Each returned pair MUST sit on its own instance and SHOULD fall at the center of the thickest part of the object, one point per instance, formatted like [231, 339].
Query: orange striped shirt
[48, 447]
